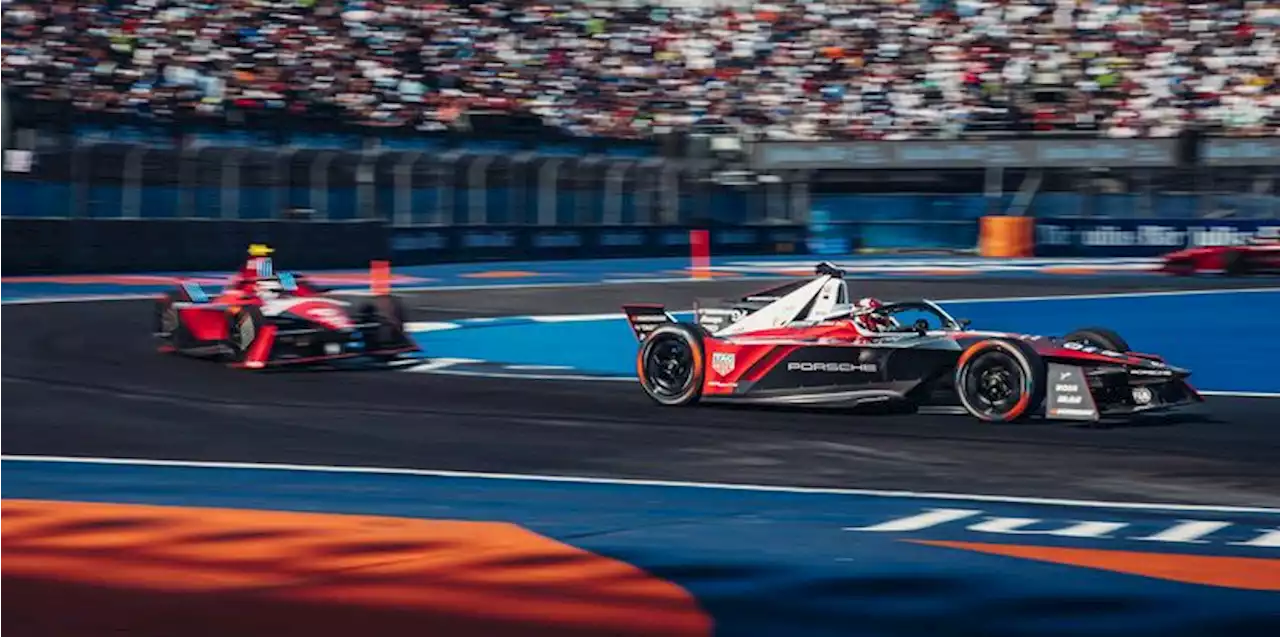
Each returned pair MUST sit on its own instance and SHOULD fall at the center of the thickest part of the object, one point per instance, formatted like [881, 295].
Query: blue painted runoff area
[851, 563]
[1227, 339]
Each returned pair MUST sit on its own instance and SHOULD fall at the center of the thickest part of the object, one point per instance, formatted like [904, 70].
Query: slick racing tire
[671, 364]
[1000, 380]
[1099, 337]
[1182, 267]
[1234, 263]
[166, 324]
[388, 312]
[243, 329]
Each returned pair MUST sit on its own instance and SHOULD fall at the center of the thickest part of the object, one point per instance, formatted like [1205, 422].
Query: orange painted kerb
[1249, 573]
[76, 568]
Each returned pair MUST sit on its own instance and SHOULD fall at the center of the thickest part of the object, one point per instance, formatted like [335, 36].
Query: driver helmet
[865, 317]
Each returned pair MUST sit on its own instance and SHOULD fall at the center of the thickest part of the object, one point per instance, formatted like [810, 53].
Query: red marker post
[700, 253]
[380, 277]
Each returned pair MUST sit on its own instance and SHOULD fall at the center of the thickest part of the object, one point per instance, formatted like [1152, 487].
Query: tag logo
[723, 362]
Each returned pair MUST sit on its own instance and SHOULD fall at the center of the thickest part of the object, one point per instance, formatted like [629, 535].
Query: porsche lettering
[832, 367]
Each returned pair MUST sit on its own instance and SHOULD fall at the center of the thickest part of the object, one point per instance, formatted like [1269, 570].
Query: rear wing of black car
[645, 318]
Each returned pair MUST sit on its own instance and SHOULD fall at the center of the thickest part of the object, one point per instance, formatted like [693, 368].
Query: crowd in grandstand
[861, 69]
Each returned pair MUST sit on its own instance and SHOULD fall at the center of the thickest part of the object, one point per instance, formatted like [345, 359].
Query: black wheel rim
[994, 384]
[669, 365]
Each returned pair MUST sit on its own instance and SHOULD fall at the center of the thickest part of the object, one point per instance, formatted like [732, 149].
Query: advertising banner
[1063, 237]
[1049, 153]
[433, 244]
[1245, 151]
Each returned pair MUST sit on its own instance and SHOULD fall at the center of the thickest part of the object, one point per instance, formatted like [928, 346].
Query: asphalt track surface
[84, 379]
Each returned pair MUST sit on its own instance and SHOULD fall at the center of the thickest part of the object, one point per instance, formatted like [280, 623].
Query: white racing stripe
[722, 486]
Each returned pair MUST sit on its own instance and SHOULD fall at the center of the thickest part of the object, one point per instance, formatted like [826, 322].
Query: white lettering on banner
[1053, 235]
[1017, 526]
[1181, 532]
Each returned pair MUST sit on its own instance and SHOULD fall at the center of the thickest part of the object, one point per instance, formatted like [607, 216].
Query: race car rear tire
[166, 323]
[243, 329]
[671, 364]
[1100, 337]
[1000, 380]
[389, 313]
[1234, 263]
[1180, 267]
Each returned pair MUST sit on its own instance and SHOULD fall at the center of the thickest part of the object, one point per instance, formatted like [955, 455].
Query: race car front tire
[671, 364]
[166, 323]
[243, 329]
[1000, 380]
[1100, 337]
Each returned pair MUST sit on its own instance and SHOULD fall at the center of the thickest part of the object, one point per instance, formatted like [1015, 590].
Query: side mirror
[964, 323]
[921, 326]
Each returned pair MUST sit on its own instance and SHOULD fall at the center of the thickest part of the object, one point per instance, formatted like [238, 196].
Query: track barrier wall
[72, 246]
[55, 246]
[76, 246]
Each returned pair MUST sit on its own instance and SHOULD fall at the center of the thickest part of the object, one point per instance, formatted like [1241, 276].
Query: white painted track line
[639, 483]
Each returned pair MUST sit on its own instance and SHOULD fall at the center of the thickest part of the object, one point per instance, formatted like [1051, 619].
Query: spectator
[865, 69]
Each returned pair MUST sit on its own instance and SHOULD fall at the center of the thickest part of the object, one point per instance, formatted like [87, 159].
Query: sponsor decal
[1253, 565]
[1058, 237]
[648, 318]
[723, 362]
[1089, 349]
[1150, 372]
[1069, 396]
[1142, 396]
[719, 384]
[866, 368]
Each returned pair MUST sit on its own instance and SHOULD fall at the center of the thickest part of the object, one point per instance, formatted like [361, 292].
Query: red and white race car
[808, 343]
[264, 319]
[1261, 256]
